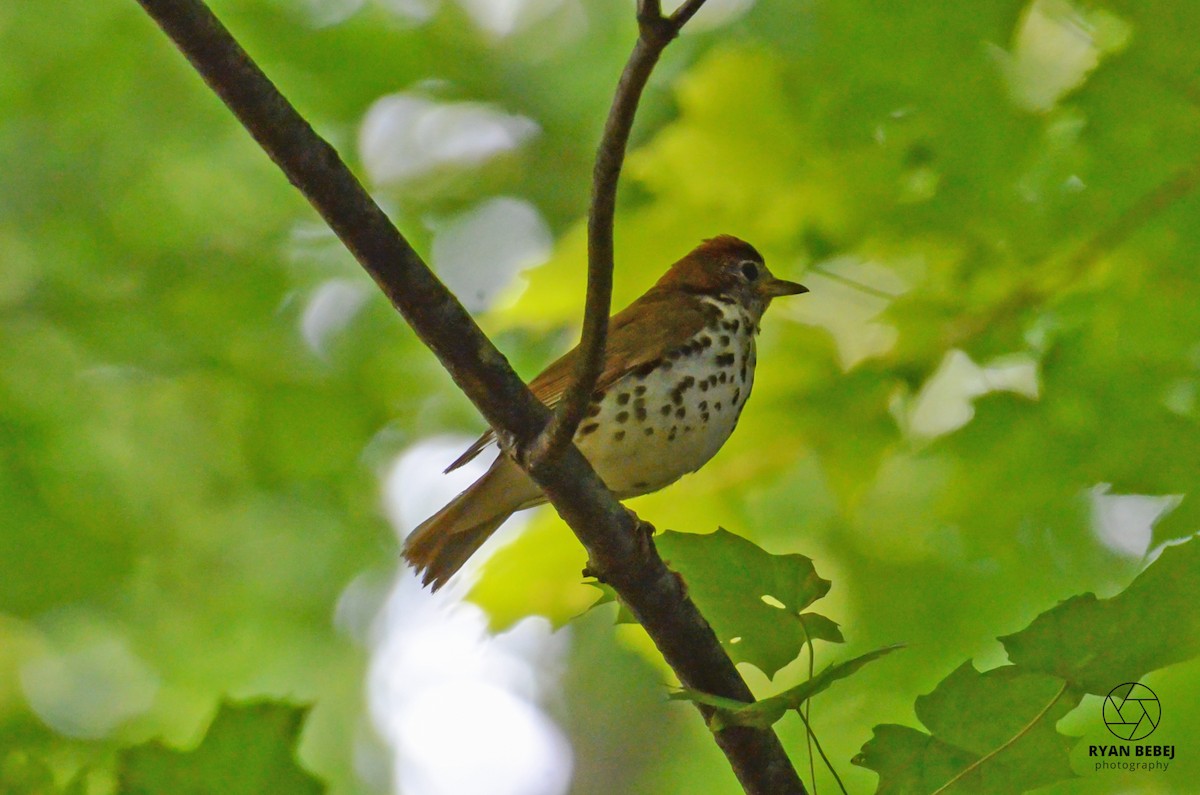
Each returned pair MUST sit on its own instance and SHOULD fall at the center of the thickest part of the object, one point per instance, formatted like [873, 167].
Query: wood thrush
[678, 368]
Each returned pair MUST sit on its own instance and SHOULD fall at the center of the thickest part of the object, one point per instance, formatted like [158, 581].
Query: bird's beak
[777, 287]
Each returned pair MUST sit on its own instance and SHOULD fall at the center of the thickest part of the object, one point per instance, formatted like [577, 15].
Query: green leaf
[22, 773]
[909, 761]
[767, 711]
[753, 599]
[1181, 522]
[249, 748]
[991, 732]
[1097, 644]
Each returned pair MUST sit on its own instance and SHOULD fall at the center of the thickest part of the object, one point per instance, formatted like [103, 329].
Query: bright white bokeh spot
[474, 738]
[1125, 522]
[407, 137]
[88, 683]
[713, 14]
[414, 486]
[848, 311]
[330, 309]
[326, 13]
[413, 12]
[1056, 45]
[502, 18]
[461, 707]
[946, 401]
[479, 253]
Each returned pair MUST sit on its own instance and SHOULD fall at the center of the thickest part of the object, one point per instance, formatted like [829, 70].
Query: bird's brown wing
[641, 334]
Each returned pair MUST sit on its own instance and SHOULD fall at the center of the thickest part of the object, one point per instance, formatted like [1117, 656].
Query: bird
[678, 367]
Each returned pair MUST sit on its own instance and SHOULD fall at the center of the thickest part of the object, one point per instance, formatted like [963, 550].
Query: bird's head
[727, 266]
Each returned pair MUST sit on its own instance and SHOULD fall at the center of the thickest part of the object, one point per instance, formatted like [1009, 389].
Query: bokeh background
[214, 430]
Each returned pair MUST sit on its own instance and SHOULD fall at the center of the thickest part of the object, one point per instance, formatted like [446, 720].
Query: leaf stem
[807, 713]
[821, 751]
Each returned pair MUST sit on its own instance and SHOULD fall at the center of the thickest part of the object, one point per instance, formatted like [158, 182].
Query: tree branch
[618, 549]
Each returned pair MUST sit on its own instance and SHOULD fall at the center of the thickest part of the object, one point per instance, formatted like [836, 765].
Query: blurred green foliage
[249, 749]
[188, 488]
[995, 731]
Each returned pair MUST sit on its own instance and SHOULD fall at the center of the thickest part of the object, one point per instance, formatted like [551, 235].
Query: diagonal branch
[618, 548]
[655, 32]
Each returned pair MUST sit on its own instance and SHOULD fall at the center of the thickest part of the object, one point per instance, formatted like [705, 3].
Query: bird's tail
[440, 545]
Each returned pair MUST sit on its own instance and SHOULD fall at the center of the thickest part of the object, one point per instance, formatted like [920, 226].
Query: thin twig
[685, 12]
[1028, 727]
[655, 32]
[1133, 218]
[608, 531]
[854, 283]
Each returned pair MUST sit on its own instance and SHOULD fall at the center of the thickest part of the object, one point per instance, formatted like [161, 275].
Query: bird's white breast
[654, 426]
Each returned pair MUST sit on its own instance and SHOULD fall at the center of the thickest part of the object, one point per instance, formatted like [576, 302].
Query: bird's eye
[749, 270]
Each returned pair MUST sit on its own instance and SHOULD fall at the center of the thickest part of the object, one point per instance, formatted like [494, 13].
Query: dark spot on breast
[671, 435]
[703, 405]
[705, 342]
[681, 412]
[731, 325]
[724, 340]
[722, 377]
[742, 375]
[590, 427]
[717, 405]
[683, 386]
[737, 394]
[622, 398]
[643, 370]
[639, 390]
[687, 428]
[593, 410]
[728, 300]
[704, 385]
[622, 416]
[704, 416]
[649, 430]
[725, 360]
[640, 413]
[666, 410]
[598, 395]
[618, 436]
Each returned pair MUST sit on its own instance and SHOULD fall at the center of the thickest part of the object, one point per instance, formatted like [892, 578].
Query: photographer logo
[1132, 711]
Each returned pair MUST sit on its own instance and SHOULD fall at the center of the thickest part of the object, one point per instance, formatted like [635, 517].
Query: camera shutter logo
[1132, 711]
